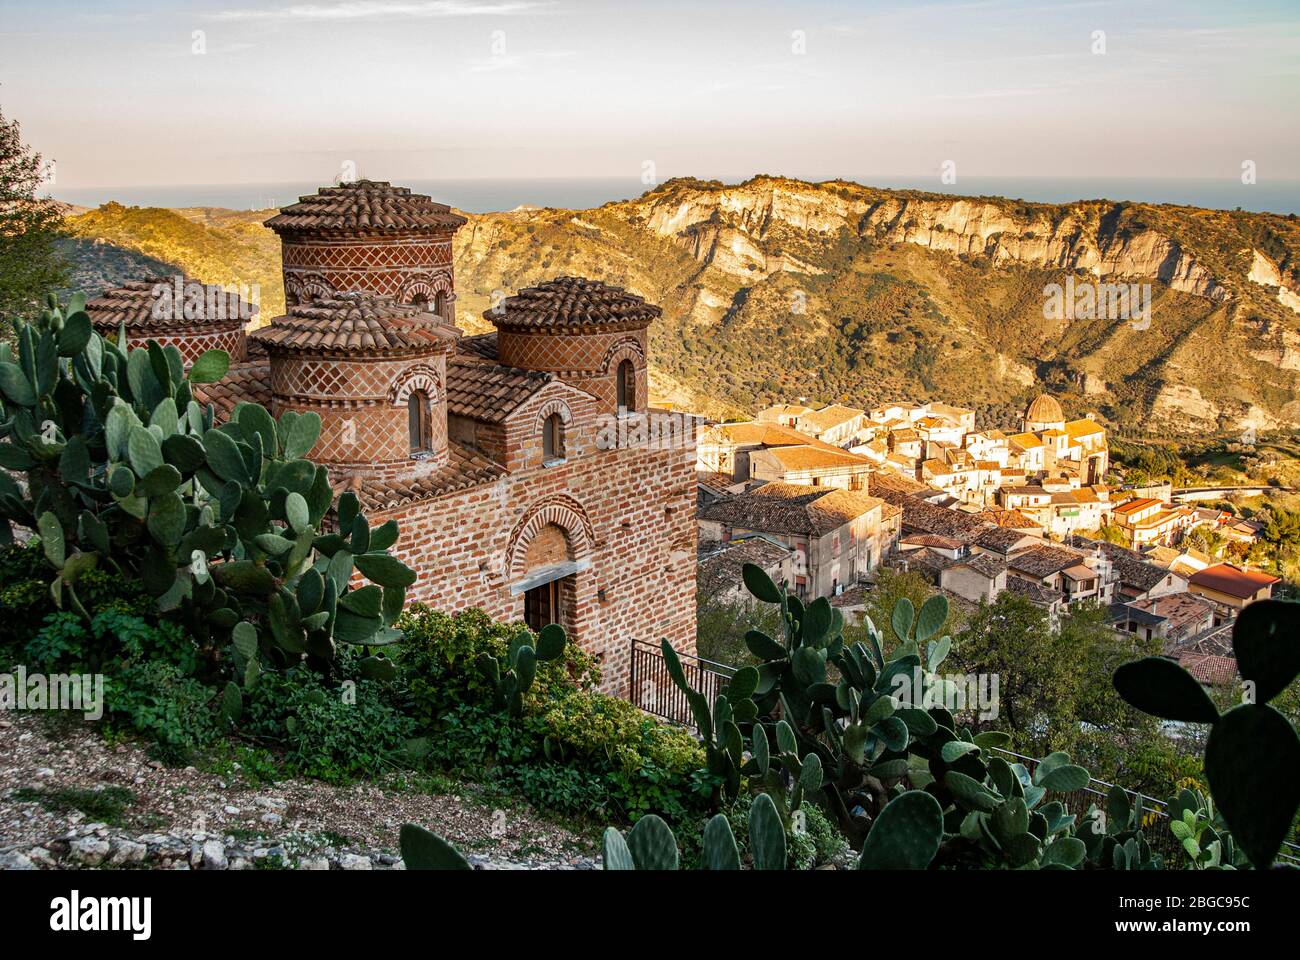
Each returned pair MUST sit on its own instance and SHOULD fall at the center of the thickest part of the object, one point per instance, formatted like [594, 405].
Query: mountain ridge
[776, 288]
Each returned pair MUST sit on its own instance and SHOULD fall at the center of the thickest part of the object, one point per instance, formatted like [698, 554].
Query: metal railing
[653, 690]
[1097, 791]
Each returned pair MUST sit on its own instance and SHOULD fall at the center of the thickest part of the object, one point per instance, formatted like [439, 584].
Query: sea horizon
[494, 194]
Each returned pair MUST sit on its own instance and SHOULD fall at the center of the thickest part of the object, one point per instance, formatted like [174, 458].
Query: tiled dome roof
[1045, 409]
[355, 323]
[572, 302]
[151, 304]
[365, 206]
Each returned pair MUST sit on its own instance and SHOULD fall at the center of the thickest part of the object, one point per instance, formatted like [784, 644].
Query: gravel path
[190, 818]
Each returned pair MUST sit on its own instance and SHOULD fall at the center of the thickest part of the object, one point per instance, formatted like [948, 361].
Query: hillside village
[823, 498]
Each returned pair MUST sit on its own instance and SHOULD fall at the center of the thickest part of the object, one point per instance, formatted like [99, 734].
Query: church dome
[1044, 409]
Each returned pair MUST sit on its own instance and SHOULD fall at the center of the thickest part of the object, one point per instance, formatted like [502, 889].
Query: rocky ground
[70, 799]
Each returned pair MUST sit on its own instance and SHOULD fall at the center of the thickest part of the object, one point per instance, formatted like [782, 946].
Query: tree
[1039, 671]
[30, 228]
[891, 586]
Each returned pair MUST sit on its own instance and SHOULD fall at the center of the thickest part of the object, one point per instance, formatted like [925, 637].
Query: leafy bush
[155, 699]
[439, 655]
[338, 734]
[574, 750]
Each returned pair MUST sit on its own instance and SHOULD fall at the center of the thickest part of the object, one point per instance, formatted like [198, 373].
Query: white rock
[128, 851]
[16, 861]
[232, 811]
[314, 863]
[352, 861]
[41, 856]
[90, 851]
[214, 856]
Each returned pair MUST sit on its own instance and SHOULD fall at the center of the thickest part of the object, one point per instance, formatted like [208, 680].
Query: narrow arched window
[626, 386]
[419, 418]
[440, 304]
[553, 438]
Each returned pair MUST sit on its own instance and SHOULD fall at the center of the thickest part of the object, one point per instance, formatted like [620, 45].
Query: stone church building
[493, 452]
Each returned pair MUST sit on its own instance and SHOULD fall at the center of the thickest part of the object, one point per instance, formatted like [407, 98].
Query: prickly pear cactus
[224, 525]
[513, 683]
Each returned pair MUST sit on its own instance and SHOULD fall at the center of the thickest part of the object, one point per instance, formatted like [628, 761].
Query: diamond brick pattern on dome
[194, 345]
[367, 254]
[338, 380]
[373, 434]
[578, 352]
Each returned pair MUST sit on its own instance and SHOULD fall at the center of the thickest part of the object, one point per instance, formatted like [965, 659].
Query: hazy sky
[115, 92]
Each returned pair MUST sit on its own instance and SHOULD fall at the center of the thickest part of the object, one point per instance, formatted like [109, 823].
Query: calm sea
[482, 196]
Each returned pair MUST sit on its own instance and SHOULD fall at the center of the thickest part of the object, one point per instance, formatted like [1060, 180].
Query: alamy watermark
[1098, 301]
[976, 692]
[190, 300]
[83, 692]
[653, 430]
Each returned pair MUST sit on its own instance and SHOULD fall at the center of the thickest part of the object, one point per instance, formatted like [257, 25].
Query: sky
[129, 92]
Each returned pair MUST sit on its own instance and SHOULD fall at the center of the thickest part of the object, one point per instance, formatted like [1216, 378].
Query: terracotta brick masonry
[493, 453]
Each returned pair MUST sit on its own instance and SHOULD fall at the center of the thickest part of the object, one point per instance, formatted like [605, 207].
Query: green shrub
[575, 750]
[439, 654]
[155, 699]
[339, 734]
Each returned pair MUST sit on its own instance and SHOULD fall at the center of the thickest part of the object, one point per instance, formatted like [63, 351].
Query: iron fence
[653, 691]
[1097, 791]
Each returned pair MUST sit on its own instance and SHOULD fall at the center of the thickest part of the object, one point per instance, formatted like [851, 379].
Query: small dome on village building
[1044, 413]
[590, 333]
[364, 205]
[375, 370]
[356, 324]
[570, 302]
[192, 316]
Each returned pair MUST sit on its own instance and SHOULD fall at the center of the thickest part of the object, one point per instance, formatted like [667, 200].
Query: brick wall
[363, 406]
[588, 361]
[628, 512]
[416, 267]
[194, 342]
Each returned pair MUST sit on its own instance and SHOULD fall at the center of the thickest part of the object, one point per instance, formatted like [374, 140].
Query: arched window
[419, 418]
[553, 438]
[440, 304]
[625, 380]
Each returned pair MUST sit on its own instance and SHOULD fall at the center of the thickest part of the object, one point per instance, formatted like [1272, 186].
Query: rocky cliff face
[724, 229]
[776, 288]
[1220, 354]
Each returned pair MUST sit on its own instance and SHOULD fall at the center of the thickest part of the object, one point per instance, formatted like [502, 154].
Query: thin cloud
[383, 10]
